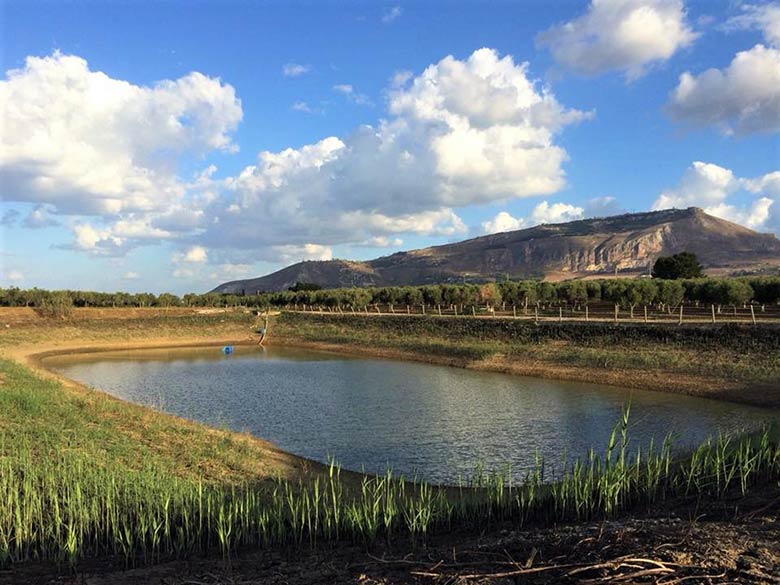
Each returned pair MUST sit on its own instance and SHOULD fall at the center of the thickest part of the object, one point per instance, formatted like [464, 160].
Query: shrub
[56, 305]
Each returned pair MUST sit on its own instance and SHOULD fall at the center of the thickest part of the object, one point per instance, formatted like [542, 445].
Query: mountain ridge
[627, 243]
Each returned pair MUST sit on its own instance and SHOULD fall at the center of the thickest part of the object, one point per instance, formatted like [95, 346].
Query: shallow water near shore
[436, 422]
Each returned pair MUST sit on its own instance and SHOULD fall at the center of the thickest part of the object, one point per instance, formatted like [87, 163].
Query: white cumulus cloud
[382, 242]
[86, 143]
[755, 215]
[502, 222]
[769, 184]
[721, 193]
[194, 255]
[78, 142]
[702, 185]
[543, 212]
[96, 240]
[462, 132]
[743, 98]
[555, 213]
[292, 253]
[621, 35]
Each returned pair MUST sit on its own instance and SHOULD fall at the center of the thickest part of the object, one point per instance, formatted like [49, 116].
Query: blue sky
[132, 131]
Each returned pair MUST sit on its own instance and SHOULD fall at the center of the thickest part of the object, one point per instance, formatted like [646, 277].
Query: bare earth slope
[625, 243]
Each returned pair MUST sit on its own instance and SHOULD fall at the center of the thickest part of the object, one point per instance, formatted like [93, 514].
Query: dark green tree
[594, 290]
[304, 286]
[614, 291]
[168, 300]
[682, 265]
[574, 292]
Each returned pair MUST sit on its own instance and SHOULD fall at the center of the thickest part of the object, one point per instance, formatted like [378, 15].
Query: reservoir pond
[438, 422]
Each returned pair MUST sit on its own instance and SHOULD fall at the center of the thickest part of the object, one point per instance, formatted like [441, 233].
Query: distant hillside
[624, 243]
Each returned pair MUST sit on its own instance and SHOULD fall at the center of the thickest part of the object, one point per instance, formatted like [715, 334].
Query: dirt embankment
[728, 336]
[24, 333]
[730, 362]
[660, 381]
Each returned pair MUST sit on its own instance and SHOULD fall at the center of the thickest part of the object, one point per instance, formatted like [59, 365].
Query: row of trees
[35, 297]
[627, 293]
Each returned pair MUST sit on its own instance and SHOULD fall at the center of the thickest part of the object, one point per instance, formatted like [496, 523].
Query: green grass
[44, 417]
[85, 477]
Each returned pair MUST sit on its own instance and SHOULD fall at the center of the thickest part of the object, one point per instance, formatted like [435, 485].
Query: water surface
[370, 414]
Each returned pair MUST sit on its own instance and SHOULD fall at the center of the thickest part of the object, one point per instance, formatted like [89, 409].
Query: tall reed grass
[62, 507]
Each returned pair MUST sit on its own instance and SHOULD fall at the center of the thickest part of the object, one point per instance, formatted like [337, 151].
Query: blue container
[227, 350]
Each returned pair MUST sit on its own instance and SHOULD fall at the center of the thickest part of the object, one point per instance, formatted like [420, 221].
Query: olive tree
[639, 292]
[670, 293]
[490, 295]
[574, 292]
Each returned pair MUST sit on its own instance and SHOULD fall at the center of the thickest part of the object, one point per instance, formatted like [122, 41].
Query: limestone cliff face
[627, 243]
[621, 252]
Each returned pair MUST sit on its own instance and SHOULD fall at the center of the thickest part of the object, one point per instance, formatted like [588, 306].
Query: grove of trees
[624, 293]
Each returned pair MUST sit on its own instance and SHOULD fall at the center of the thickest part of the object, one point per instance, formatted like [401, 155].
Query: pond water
[369, 414]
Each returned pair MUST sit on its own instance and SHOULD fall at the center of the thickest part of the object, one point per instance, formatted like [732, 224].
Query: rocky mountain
[623, 244]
